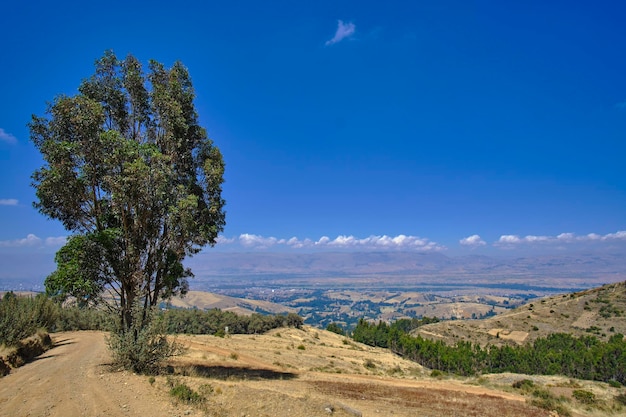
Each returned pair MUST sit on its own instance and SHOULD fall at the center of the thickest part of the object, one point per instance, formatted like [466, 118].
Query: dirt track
[73, 379]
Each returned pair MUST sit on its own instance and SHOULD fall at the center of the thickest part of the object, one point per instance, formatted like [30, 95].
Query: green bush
[184, 394]
[75, 318]
[585, 397]
[544, 399]
[335, 328]
[524, 384]
[21, 317]
[142, 348]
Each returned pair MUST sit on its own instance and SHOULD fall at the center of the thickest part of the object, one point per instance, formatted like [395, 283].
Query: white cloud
[473, 240]
[29, 240]
[32, 240]
[8, 202]
[249, 240]
[222, 240]
[56, 241]
[617, 235]
[400, 242]
[508, 240]
[7, 137]
[344, 30]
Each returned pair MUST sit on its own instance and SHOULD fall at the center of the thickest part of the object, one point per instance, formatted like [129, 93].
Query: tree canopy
[133, 176]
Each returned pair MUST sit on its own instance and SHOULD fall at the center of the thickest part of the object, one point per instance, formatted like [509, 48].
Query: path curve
[73, 379]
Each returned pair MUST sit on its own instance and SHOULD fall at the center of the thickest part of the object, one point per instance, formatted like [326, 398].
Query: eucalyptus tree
[134, 178]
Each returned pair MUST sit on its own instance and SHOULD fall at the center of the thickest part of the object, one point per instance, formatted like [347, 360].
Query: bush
[524, 384]
[585, 397]
[184, 394]
[21, 317]
[75, 318]
[544, 399]
[142, 349]
[336, 328]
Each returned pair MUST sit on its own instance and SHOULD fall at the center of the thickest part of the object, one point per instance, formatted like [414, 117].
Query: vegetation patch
[182, 393]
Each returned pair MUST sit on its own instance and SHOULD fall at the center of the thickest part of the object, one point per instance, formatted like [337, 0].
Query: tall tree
[133, 176]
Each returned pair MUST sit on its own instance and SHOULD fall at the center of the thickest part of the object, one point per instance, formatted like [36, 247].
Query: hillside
[600, 312]
[205, 300]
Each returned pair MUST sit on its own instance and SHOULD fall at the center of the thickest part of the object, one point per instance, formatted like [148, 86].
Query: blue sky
[456, 126]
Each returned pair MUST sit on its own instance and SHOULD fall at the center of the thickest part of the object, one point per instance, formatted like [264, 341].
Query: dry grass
[331, 375]
[600, 312]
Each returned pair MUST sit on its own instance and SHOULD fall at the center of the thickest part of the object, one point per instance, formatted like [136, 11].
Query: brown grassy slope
[307, 372]
[600, 312]
[206, 300]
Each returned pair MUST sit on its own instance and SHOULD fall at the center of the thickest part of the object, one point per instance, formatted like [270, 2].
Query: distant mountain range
[582, 270]
[595, 267]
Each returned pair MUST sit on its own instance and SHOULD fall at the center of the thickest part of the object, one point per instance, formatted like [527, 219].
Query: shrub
[301, 347]
[21, 317]
[184, 394]
[76, 318]
[524, 384]
[336, 328]
[544, 399]
[142, 349]
[585, 397]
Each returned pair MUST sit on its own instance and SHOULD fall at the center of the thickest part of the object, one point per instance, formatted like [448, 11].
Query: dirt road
[73, 379]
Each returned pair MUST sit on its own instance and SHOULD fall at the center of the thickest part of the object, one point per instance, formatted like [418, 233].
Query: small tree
[135, 179]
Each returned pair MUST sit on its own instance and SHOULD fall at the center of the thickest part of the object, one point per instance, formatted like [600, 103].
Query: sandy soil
[73, 379]
[290, 373]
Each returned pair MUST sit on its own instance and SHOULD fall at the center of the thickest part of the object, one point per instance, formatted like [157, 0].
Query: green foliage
[215, 322]
[21, 317]
[76, 318]
[585, 357]
[135, 179]
[184, 394]
[524, 384]
[335, 328]
[143, 348]
[583, 396]
[542, 398]
[80, 271]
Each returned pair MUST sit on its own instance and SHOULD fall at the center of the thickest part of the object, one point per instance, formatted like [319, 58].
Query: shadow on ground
[229, 372]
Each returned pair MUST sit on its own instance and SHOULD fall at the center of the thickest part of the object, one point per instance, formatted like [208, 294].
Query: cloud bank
[248, 241]
[33, 241]
[384, 242]
[511, 240]
[7, 137]
[344, 30]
